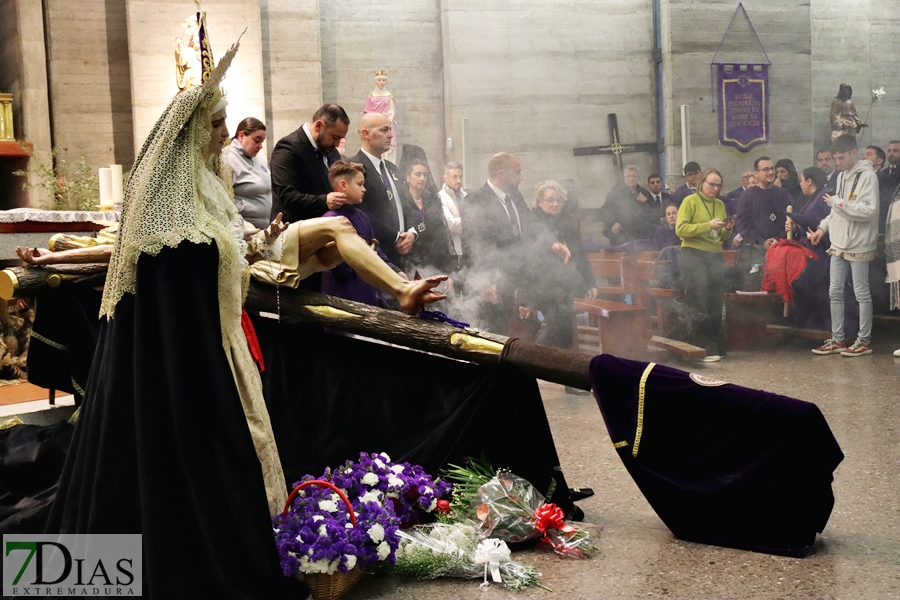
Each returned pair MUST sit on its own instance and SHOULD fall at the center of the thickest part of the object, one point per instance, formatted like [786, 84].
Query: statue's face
[380, 82]
[219, 132]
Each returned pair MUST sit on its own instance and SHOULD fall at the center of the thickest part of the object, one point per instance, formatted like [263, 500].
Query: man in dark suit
[888, 180]
[659, 196]
[825, 161]
[745, 183]
[691, 175]
[382, 199]
[498, 235]
[300, 163]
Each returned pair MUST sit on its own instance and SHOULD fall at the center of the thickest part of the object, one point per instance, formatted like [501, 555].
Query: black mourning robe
[162, 446]
[721, 464]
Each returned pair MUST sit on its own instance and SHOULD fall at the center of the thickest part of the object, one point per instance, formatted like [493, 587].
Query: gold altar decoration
[6, 117]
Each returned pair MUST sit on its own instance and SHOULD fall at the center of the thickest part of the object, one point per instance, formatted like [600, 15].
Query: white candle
[117, 182]
[106, 184]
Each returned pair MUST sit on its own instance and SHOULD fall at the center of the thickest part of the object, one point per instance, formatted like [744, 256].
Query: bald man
[382, 198]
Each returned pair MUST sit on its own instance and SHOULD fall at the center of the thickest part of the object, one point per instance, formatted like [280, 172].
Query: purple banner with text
[743, 92]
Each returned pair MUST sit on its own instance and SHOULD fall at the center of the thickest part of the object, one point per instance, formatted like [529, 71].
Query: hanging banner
[743, 97]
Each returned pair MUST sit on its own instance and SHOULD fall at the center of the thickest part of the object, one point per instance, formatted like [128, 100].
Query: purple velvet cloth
[720, 463]
[342, 281]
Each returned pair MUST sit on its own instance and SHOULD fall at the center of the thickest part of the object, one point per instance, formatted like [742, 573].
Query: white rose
[329, 505]
[397, 469]
[351, 561]
[395, 482]
[383, 550]
[370, 479]
[376, 533]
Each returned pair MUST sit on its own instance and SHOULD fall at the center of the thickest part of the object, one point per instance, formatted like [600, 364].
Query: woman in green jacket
[703, 225]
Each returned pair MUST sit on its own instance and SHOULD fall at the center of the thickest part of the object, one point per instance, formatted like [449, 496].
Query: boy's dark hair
[843, 143]
[692, 167]
[342, 169]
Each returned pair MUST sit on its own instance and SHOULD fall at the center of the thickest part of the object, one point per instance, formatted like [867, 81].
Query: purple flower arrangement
[317, 535]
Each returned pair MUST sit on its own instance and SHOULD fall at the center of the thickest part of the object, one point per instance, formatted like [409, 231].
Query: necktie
[507, 204]
[386, 181]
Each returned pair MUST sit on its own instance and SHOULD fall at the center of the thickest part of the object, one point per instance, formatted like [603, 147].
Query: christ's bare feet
[416, 294]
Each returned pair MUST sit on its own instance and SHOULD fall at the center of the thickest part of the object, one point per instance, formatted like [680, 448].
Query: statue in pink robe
[381, 101]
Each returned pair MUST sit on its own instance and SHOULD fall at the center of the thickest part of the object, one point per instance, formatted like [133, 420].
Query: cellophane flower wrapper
[505, 507]
[448, 550]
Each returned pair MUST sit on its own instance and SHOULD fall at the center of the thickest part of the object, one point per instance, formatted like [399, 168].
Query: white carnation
[318, 518]
[329, 505]
[395, 482]
[428, 490]
[383, 550]
[376, 533]
[385, 457]
[322, 530]
[319, 566]
[351, 561]
[379, 463]
[370, 496]
[433, 504]
[397, 469]
[370, 479]
[348, 526]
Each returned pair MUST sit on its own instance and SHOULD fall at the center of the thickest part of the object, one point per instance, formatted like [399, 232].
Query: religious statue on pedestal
[844, 120]
[381, 101]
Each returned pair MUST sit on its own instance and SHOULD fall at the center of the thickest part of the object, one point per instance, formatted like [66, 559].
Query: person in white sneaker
[852, 226]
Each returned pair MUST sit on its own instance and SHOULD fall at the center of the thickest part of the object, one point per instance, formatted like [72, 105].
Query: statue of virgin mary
[381, 101]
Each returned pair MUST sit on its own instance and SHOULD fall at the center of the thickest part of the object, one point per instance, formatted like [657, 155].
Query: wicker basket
[323, 586]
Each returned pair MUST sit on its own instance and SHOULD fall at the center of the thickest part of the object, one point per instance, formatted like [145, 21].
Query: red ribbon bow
[550, 516]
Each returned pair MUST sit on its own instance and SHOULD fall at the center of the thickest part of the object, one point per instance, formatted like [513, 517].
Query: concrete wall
[538, 78]
[152, 28]
[860, 51]
[691, 33]
[359, 37]
[292, 64]
[90, 91]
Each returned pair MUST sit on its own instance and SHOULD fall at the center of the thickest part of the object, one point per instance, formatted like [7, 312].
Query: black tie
[325, 155]
[386, 182]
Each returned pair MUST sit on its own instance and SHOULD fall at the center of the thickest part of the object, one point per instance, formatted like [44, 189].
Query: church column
[292, 64]
[23, 73]
[152, 28]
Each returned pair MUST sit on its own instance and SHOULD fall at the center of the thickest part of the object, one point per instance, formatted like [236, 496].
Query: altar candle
[117, 182]
[106, 184]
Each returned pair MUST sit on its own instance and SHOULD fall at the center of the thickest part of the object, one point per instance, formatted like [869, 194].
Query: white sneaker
[897, 353]
[711, 358]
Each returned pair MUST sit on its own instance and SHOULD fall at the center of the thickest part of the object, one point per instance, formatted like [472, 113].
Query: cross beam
[616, 148]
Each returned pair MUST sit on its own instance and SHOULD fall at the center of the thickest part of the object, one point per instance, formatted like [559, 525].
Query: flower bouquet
[456, 550]
[336, 526]
[509, 508]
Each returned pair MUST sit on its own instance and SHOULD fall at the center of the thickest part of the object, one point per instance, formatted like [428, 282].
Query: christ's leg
[315, 238]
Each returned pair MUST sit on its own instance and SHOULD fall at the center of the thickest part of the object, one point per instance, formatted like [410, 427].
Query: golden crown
[381, 73]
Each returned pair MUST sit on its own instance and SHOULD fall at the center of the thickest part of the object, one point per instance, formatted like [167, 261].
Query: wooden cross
[616, 148]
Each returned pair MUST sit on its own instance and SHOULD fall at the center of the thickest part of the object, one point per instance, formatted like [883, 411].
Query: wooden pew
[614, 327]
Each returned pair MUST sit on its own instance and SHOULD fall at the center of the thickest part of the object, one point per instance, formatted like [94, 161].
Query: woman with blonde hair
[703, 225]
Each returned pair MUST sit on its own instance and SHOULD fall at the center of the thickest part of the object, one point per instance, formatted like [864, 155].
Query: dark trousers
[703, 275]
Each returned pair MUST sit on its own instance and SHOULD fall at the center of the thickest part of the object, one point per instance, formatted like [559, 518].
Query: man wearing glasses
[762, 208]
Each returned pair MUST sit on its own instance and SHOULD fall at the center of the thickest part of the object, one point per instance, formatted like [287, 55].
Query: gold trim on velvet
[621, 444]
[640, 415]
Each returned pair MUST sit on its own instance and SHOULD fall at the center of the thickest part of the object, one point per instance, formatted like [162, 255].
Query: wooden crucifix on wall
[616, 147]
